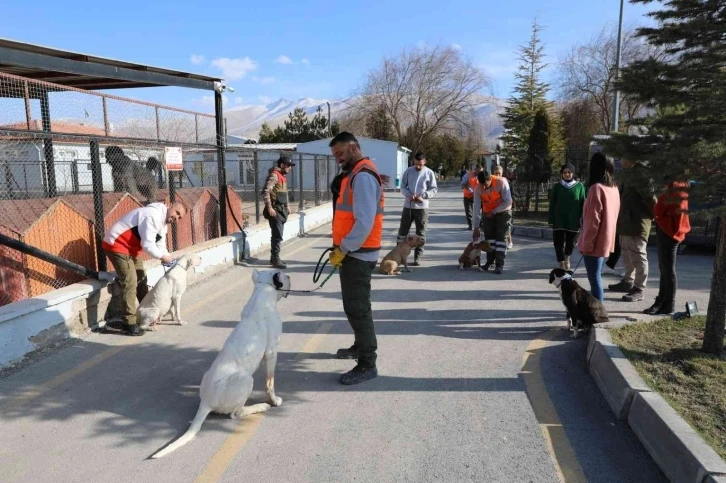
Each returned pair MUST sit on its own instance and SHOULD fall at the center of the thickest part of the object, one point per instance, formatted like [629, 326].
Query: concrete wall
[42, 321]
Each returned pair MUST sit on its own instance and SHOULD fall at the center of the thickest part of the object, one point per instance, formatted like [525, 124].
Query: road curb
[677, 449]
[615, 376]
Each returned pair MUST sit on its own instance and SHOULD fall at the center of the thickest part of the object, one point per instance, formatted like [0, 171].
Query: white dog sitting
[166, 295]
[228, 383]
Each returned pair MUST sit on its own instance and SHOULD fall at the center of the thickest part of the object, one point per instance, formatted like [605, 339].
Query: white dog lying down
[166, 295]
[228, 383]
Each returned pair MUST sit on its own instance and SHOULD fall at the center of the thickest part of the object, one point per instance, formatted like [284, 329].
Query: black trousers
[420, 218]
[564, 243]
[495, 232]
[667, 251]
[355, 285]
[469, 209]
[277, 227]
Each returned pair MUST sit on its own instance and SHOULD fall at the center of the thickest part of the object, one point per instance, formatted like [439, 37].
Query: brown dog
[472, 254]
[399, 255]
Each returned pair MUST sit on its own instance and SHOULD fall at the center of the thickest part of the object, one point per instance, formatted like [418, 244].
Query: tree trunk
[716, 317]
[536, 198]
[528, 197]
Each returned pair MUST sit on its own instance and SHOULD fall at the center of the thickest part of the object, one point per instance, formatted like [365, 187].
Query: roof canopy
[89, 72]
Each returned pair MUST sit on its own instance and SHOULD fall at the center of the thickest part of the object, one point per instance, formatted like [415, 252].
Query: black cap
[285, 159]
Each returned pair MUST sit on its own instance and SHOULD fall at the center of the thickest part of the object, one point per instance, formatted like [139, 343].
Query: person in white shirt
[418, 186]
[142, 229]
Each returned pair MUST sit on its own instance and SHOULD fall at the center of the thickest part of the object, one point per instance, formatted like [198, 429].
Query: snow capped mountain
[247, 120]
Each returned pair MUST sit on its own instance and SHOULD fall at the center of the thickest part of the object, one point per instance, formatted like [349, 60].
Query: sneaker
[469, 228]
[499, 270]
[133, 329]
[486, 266]
[349, 353]
[277, 263]
[621, 286]
[416, 263]
[567, 263]
[635, 295]
[510, 245]
[358, 374]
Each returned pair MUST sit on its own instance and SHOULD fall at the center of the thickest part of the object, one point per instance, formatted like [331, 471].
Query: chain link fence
[247, 169]
[74, 162]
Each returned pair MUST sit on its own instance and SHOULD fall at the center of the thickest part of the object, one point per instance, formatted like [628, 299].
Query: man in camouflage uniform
[274, 195]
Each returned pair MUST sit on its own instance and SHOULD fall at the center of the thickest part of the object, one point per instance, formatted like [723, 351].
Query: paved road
[477, 383]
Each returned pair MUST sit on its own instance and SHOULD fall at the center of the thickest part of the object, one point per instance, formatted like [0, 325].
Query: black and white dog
[583, 310]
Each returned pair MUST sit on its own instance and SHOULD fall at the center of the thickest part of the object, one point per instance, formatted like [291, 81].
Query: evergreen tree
[297, 128]
[379, 125]
[686, 137]
[528, 97]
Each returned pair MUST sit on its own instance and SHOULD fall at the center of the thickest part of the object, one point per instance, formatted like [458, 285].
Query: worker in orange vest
[357, 233]
[469, 183]
[493, 199]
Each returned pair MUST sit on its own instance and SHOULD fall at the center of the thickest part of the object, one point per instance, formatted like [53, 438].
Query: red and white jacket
[140, 229]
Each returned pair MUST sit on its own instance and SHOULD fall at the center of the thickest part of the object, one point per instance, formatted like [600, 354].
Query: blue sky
[318, 49]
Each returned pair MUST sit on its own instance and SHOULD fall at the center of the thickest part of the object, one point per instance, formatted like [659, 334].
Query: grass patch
[666, 353]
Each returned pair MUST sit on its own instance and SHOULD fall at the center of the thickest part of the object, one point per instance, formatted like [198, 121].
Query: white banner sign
[173, 158]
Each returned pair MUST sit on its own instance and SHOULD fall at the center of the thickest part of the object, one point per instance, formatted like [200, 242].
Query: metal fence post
[74, 177]
[172, 198]
[106, 127]
[221, 161]
[256, 167]
[97, 178]
[317, 181]
[301, 205]
[327, 169]
[52, 189]
[158, 124]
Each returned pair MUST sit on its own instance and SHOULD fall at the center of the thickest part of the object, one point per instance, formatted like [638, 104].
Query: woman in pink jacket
[599, 219]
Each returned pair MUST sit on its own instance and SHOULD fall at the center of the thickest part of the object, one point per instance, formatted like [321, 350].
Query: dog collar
[566, 277]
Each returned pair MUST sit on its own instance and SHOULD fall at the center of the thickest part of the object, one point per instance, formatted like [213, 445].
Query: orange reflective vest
[491, 197]
[473, 183]
[343, 219]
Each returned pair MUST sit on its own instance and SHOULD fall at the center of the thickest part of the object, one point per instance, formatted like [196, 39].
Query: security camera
[230, 89]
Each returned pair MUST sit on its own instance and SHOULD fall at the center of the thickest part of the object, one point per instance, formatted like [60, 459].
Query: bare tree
[587, 72]
[424, 91]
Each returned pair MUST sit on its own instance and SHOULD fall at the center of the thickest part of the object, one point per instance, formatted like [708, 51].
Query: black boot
[277, 263]
[358, 374]
[133, 329]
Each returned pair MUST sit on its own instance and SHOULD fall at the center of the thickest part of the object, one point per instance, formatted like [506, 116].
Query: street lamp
[616, 103]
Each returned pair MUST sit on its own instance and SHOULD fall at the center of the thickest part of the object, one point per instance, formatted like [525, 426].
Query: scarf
[568, 184]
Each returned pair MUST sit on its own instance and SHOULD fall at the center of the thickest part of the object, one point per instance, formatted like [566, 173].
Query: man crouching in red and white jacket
[143, 229]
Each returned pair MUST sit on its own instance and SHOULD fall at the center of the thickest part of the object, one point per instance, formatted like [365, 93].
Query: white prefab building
[390, 158]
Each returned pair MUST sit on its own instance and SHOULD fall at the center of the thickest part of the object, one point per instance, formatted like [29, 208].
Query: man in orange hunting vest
[357, 233]
[469, 183]
[493, 199]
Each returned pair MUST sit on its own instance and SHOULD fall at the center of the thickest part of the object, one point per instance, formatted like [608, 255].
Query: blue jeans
[593, 265]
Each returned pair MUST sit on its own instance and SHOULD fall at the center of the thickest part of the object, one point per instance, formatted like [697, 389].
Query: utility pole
[616, 102]
[330, 128]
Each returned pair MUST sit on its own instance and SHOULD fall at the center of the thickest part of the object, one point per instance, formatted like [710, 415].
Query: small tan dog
[399, 255]
[472, 254]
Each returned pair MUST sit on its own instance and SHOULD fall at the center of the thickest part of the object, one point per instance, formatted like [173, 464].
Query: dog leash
[318, 273]
[578, 264]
